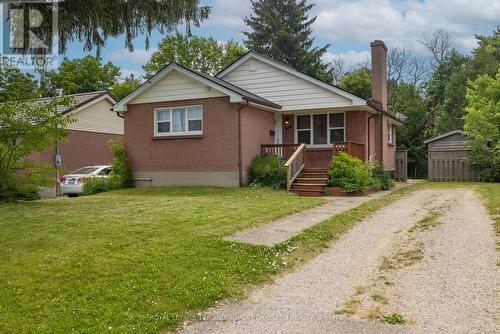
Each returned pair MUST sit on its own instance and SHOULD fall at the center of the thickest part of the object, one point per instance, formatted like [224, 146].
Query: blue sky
[348, 26]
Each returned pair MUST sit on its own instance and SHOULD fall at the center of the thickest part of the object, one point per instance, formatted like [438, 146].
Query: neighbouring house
[86, 144]
[183, 127]
[448, 157]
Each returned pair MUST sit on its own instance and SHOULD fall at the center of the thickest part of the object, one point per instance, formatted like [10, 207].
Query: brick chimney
[379, 72]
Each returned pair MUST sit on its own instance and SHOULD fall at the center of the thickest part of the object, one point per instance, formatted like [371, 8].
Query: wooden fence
[451, 166]
[401, 166]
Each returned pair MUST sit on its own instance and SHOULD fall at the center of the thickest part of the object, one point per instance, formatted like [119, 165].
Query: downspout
[369, 118]
[240, 146]
[118, 114]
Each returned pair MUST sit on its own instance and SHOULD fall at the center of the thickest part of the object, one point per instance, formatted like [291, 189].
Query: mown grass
[132, 261]
[141, 260]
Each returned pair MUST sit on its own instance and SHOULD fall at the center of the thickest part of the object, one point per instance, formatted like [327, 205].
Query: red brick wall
[82, 148]
[357, 128]
[216, 150]
[255, 131]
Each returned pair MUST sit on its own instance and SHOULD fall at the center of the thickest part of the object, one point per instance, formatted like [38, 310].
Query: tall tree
[281, 29]
[446, 93]
[408, 100]
[358, 82]
[92, 22]
[206, 55]
[82, 75]
[122, 89]
[482, 124]
[16, 85]
[439, 44]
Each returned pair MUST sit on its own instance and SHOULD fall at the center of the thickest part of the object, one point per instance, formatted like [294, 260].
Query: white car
[73, 184]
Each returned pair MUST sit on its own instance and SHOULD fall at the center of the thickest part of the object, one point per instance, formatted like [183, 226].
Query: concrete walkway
[284, 228]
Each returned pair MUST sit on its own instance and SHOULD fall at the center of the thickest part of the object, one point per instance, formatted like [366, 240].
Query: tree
[408, 100]
[439, 44]
[482, 124]
[446, 93]
[205, 55]
[82, 75]
[92, 22]
[486, 57]
[122, 89]
[27, 126]
[337, 68]
[358, 82]
[16, 85]
[281, 30]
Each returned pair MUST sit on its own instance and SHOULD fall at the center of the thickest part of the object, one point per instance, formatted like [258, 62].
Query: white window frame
[335, 127]
[390, 135]
[311, 114]
[176, 134]
[309, 129]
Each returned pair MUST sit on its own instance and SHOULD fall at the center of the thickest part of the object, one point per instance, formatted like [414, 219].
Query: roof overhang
[356, 100]
[378, 108]
[444, 135]
[88, 103]
[234, 97]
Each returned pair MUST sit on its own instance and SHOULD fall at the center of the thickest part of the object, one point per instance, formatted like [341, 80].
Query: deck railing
[284, 151]
[295, 165]
[354, 149]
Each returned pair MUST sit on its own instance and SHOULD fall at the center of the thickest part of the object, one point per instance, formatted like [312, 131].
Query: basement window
[178, 121]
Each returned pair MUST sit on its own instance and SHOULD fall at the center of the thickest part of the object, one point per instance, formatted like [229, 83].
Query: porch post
[278, 128]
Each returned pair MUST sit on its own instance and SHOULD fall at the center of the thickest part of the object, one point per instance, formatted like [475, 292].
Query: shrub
[121, 174]
[28, 193]
[97, 185]
[349, 173]
[268, 171]
[120, 177]
[382, 179]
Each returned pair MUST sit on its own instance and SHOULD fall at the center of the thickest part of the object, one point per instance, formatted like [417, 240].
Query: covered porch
[325, 133]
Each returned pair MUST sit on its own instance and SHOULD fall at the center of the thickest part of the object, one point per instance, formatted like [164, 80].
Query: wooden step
[317, 180]
[315, 170]
[314, 175]
[308, 193]
[308, 186]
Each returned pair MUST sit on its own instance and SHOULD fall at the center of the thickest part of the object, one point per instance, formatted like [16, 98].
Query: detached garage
[448, 158]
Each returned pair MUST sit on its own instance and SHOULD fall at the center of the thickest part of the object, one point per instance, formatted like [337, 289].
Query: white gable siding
[176, 86]
[98, 117]
[288, 90]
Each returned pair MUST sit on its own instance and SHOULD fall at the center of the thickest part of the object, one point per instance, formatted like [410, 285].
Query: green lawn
[139, 260]
[131, 261]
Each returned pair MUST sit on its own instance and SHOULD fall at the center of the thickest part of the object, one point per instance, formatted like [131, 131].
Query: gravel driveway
[447, 286]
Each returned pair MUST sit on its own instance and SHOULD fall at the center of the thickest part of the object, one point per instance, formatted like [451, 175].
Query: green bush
[95, 185]
[349, 173]
[121, 173]
[28, 193]
[120, 177]
[268, 171]
[382, 179]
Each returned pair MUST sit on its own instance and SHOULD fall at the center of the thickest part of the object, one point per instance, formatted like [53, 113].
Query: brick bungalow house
[95, 124]
[183, 127]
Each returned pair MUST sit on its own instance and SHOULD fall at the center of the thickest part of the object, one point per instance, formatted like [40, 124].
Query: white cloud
[403, 23]
[126, 73]
[351, 58]
[397, 22]
[137, 57]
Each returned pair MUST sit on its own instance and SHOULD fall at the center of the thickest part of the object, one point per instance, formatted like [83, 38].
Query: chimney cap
[378, 42]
